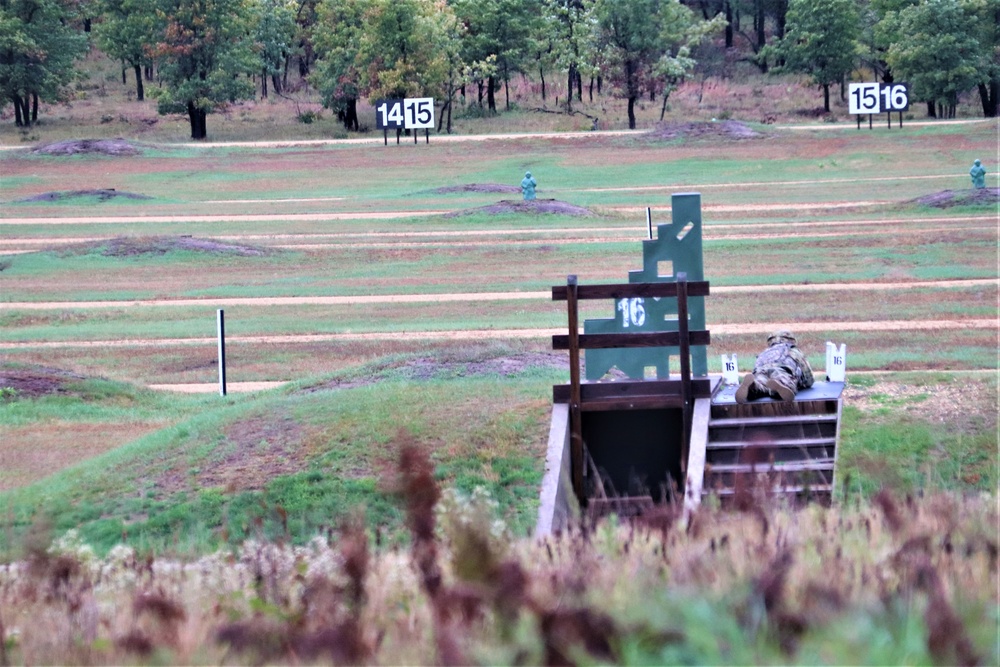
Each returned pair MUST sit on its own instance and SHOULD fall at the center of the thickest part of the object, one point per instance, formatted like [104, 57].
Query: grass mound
[476, 187]
[101, 195]
[113, 147]
[530, 207]
[972, 197]
[726, 129]
[35, 381]
[135, 246]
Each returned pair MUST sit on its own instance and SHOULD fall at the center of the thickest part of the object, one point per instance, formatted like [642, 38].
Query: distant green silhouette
[978, 174]
[528, 186]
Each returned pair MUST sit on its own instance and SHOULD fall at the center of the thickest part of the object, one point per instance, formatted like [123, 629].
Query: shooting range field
[357, 297]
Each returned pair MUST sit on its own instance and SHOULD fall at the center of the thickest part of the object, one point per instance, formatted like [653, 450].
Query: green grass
[481, 431]
[98, 400]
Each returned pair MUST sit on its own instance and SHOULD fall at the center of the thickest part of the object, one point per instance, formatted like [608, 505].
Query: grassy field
[817, 230]
[392, 324]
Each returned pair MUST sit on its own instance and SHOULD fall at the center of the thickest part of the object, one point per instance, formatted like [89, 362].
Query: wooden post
[576, 419]
[685, 352]
[222, 353]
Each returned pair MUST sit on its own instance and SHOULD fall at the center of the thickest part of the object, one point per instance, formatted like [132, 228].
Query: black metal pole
[222, 353]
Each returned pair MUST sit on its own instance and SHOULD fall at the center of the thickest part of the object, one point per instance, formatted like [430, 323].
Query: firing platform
[820, 391]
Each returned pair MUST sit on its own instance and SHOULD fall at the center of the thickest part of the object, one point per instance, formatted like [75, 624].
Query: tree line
[208, 53]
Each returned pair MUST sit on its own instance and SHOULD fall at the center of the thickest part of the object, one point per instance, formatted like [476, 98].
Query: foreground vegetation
[901, 581]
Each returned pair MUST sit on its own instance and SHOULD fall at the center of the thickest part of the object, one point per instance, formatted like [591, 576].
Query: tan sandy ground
[468, 296]
[501, 334]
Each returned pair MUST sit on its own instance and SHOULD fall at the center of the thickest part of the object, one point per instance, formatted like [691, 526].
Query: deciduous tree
[938, 53]
[498, 28]
[274, 35]
[337, 40]
[126, 31]
[205, 55]
[645, 44]
[821, 40]
[38, 47]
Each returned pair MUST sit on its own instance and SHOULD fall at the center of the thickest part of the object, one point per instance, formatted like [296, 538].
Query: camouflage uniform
[780, 371]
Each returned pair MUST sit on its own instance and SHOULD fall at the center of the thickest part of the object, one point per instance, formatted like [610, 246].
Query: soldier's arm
[807, 373]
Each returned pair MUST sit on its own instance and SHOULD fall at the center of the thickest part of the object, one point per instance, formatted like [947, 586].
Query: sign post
[222, 352]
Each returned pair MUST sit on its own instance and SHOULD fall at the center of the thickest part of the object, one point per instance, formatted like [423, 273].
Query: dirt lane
[468, 296]
[639, 231]
[500, 334]
[459, 138]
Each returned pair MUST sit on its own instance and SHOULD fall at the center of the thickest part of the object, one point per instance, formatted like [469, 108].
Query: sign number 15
[419, 112]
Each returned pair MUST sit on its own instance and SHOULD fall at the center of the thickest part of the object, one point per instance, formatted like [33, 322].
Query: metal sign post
[222, 353]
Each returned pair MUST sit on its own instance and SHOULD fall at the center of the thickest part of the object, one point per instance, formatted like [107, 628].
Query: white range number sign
[411, 113]
[874, 98]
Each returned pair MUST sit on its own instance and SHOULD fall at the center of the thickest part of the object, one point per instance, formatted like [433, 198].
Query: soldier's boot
[785, 393]
[743, 392]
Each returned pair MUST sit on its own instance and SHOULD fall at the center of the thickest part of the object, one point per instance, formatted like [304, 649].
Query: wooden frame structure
[628, 395]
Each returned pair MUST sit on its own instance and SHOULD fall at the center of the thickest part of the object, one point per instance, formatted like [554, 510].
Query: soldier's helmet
[781, 336]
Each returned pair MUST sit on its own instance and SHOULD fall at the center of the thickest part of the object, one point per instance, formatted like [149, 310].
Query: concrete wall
[558, 506]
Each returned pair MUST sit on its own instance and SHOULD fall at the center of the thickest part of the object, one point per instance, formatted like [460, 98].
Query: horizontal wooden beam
[619, 340]
[634, 390]
[630, 290]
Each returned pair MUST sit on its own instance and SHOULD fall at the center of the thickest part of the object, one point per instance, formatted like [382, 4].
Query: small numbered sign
[895, 96]
[389, 114]
[863, 98]
[419, 113]
[874, 98]
[730, 370]
[836, 362]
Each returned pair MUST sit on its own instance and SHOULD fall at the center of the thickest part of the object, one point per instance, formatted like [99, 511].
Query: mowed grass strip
[259, 318]
[291, 360]
[488, 266]
[342, 177]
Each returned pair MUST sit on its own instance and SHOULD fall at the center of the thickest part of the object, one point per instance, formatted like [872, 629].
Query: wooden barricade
[634, 394]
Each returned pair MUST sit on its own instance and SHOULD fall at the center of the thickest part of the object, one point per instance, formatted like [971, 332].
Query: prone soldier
[779, 372]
